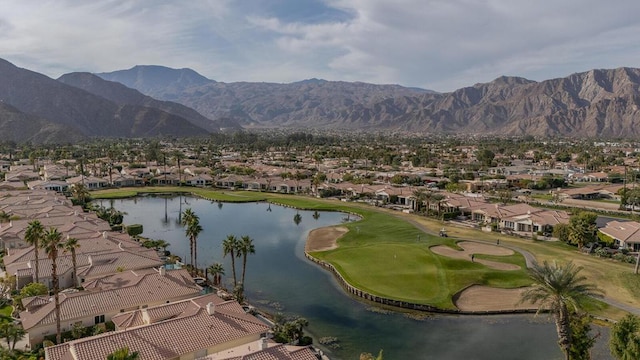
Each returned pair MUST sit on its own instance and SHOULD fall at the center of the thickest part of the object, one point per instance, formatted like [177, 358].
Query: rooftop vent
[211, 308]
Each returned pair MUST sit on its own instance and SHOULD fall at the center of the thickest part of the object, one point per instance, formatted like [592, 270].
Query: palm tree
[229, 247]
[52, 244]
[437, 198]
[419, 195]
[33, 235]
[12, 333]
[178, 155]
[123, 354]
[557, 288]
[192, 222]
[80, 193]
[216, 270]
[71, 245]
[245, 248]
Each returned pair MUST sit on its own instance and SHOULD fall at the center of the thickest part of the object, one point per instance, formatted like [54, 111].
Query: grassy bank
[386, 255]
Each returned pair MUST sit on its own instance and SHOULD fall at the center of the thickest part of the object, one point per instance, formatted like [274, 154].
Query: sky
[440, 45]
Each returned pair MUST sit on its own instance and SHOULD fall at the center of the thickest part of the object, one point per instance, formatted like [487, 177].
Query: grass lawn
[5, 313]
[386, 255]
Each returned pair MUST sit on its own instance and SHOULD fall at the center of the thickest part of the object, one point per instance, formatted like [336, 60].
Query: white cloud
[438, 44]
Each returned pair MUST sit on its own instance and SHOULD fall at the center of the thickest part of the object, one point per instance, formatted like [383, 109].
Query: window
[99, 319]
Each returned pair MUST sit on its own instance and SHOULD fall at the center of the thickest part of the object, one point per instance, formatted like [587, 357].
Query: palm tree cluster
[561, 291]
[50, 240]
[427, 198]
[237, 248]
[192, 231]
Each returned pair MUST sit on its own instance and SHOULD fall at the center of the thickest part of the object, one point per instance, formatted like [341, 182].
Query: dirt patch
[484, 298]
[324, 239]
[471, 248]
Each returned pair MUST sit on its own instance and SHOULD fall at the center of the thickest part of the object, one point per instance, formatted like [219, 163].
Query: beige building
[184, 330]
[105, 298]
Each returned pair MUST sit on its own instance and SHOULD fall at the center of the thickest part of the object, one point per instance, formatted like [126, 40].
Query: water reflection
[280, 279]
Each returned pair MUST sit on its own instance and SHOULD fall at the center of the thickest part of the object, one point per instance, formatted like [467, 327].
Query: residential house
[104, 299]
[89, 182]
[626, 234]
[182, 330]
[265, 349]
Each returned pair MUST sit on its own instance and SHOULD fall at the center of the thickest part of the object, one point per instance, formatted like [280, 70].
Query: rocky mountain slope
[82, 113]
[19, 127]
[123, 95]
[308, 103]
[595, 103]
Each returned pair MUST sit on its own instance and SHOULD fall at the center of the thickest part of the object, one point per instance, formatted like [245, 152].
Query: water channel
[280, 279]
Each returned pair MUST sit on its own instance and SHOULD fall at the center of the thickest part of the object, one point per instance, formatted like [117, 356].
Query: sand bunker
[484, 298]
[324, 238]
[470, 248]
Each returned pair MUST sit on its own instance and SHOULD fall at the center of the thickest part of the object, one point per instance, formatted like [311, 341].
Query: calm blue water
[280, 279]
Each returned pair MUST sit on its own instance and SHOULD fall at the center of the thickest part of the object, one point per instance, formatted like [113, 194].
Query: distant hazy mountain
[153, 80]
[123, 95]
[308, 103]
[90, 115]
[600, 103]
[594, 103]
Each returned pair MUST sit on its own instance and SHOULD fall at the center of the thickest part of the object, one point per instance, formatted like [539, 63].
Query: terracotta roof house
[265, 349]
[53, 185]
[99, 253]
[90, 182]
[106, 298]
[184, 330]
[626, 234]
[540, 220]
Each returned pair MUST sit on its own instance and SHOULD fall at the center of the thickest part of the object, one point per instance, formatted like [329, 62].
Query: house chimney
[145, 317]
[163, 271]
[90, 259]
[104, 234]
[264, 343]
[211, 308]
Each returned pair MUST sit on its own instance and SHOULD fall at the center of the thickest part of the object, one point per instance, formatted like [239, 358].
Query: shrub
[134, 230]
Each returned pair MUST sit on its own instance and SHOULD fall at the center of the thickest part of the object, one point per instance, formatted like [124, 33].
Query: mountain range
[148, 101]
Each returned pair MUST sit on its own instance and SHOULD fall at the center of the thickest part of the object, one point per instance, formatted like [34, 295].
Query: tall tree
[179, 155]
[419, 194]
[558, 289]
[12, 333]
[230, 247]
[192, 222]
[52, 243]
[245, 248]
[33, 236]
[80, 193]
[583, 339]
[71, 245]
[216, 270]
[583, 228]
[625, 338]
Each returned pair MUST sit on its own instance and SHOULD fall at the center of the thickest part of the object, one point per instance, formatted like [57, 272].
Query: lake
[280, 279]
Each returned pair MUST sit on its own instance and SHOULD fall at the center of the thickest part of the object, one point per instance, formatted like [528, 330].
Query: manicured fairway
[385, 255]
